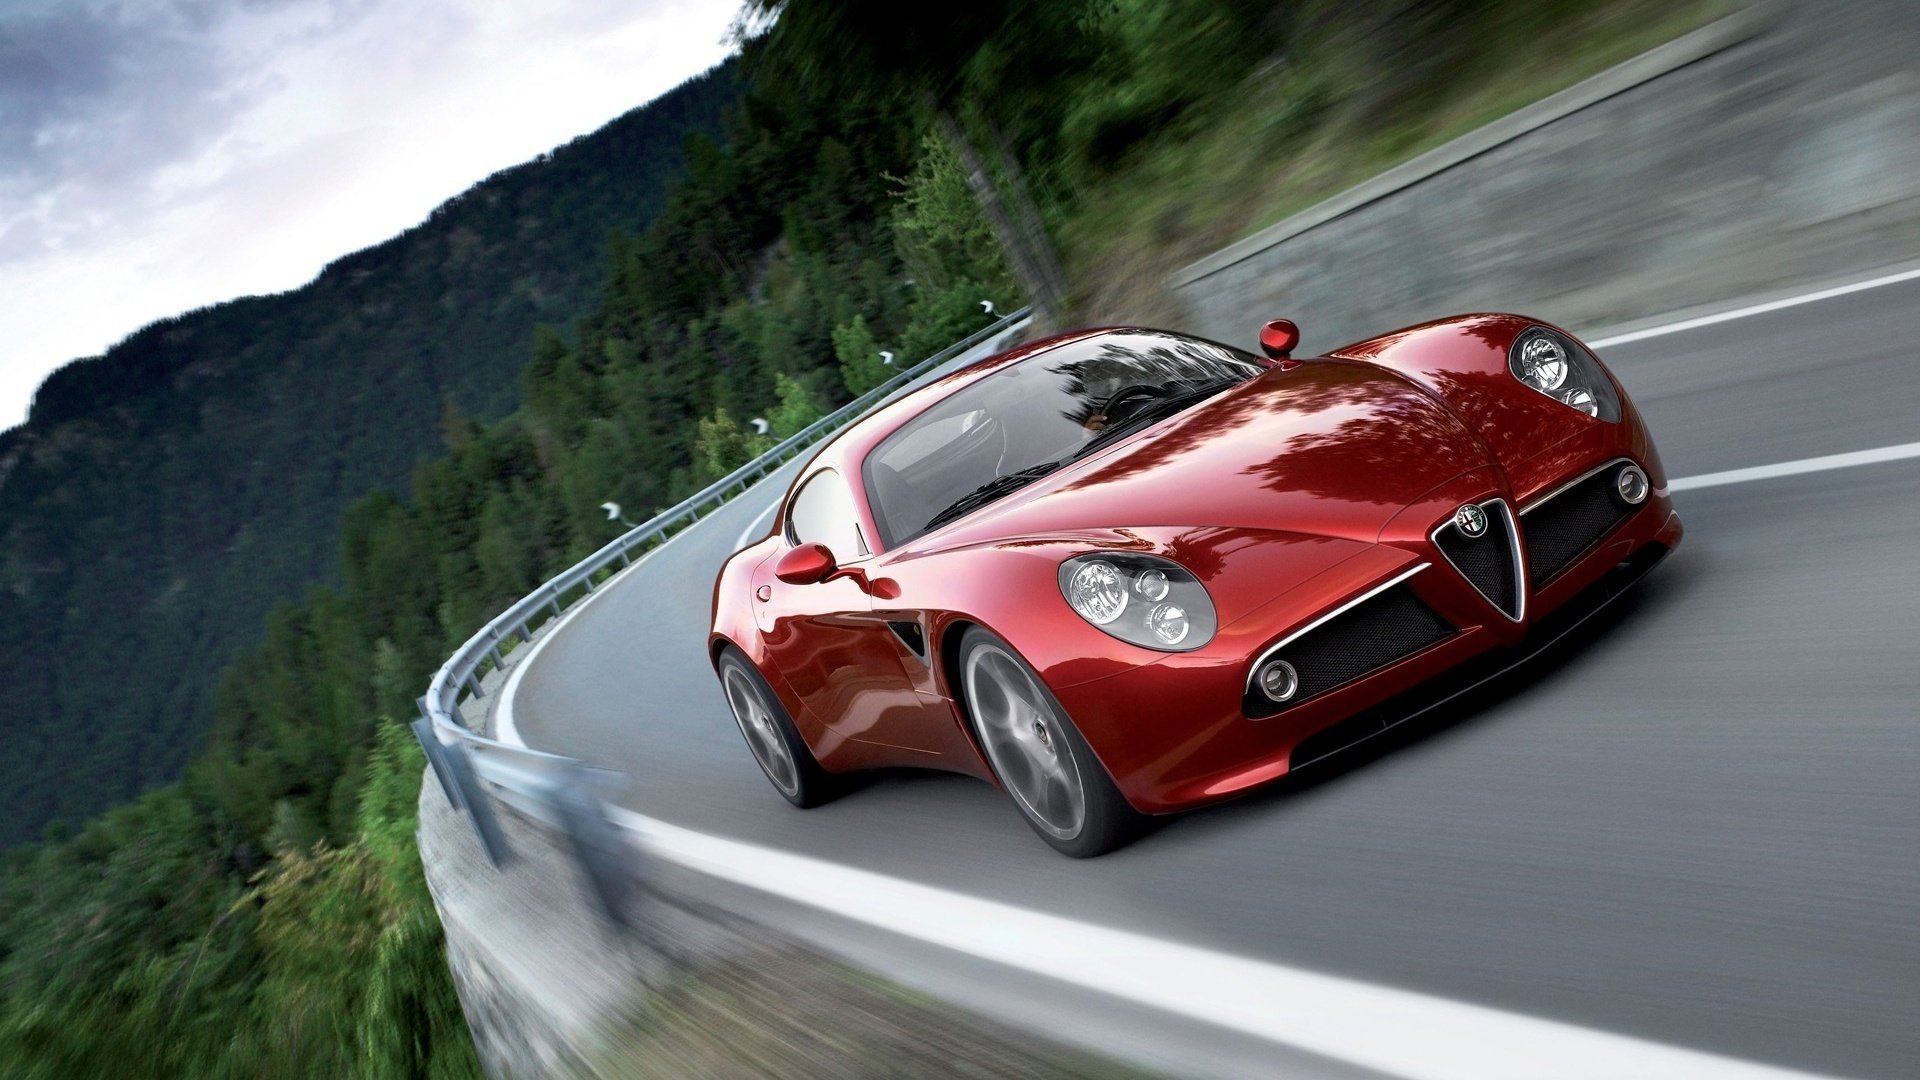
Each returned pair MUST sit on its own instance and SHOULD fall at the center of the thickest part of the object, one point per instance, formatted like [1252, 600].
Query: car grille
[1370, 635]
[1487, 560]
[1568, 522]
[1451, 685]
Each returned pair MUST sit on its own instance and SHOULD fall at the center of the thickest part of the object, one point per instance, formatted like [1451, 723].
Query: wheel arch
[946, 655]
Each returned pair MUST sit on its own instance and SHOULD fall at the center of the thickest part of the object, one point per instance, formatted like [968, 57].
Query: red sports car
[1125, 572]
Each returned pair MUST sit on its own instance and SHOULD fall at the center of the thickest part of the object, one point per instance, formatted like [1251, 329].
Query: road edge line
[1798, 467]
[504, 726]
[1760, 308]
[1332, 1016]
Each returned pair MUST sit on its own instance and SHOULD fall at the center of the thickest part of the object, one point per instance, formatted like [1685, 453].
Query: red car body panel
[1288, 496]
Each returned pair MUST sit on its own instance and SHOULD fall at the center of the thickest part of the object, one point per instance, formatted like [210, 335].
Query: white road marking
[1394, 1031]
[504, 727]
[1796, 468]
[1757, 309]
[752, 531]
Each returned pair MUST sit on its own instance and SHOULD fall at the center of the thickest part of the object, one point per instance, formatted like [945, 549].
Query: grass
[1323, 118]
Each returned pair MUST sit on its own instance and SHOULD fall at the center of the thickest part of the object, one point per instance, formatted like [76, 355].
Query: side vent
[910, 635]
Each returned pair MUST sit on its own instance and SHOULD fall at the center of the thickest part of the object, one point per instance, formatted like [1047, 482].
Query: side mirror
[1278, 338]
[806, 565]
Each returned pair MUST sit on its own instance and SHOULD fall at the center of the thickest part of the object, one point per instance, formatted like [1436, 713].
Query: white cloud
[165, 155]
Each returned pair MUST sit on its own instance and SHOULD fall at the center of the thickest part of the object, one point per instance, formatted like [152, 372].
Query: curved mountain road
[1698, 825]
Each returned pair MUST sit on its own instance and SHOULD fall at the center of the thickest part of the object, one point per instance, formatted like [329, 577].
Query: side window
[822, 513]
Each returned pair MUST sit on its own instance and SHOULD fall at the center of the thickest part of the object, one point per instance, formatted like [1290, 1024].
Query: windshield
[1021, 422]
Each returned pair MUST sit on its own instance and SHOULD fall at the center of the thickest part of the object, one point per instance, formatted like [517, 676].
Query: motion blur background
[235, 543]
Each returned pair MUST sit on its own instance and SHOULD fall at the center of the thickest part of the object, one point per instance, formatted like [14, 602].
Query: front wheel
[1040, 758]
[777, 746]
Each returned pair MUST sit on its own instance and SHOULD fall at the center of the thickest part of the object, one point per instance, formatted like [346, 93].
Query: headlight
[1543, 363]
[1098, 592]
[1557, 366]
[1142, 599]
[1581, 399]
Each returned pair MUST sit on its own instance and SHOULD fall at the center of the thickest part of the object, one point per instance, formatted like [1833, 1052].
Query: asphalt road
[1699, 824]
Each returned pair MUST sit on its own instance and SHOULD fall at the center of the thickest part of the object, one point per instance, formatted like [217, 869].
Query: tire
[776, 745]
[1038, 755]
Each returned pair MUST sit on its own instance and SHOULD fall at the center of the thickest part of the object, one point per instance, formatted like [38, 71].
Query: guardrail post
[436, 757]
[474, 800]
[473, 686]
[599, 845]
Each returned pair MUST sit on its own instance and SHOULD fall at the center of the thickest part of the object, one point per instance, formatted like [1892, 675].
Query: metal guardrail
[560, 790]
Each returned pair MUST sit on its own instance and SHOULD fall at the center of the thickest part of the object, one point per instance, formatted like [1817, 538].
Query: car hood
[1330, 448]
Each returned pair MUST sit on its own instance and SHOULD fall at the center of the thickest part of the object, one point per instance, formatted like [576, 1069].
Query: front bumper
[1179, 733]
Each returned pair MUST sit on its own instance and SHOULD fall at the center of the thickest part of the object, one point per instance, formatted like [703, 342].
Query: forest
[602, 325]
[163, 497]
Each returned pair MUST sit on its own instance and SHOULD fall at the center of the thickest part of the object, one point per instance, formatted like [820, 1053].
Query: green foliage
[941, 317]
[941, 236]
[797, 406]
[861, 366]
[1157, 60]
[724, 444]
[355, 978]
[135, 948]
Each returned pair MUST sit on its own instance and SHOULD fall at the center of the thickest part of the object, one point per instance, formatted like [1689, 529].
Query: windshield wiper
[989, 491]
[1158, 409]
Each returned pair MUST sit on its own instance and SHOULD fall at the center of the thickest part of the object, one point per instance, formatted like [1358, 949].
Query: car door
[837, 656]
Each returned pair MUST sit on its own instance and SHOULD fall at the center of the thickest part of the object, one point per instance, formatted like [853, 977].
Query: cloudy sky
[160, 155]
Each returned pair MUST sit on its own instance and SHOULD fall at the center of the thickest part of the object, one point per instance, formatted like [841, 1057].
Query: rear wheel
[1038, 755]
[776, 745]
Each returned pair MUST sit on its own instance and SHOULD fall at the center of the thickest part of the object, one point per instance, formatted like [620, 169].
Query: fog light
[1278, 680]
[1632, 485]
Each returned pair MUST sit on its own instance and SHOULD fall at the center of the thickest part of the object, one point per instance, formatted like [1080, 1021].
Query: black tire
[802, 782]
[1030, 766]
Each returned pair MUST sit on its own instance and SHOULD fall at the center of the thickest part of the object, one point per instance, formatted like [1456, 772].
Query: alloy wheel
[1025, 741]
[762, 731]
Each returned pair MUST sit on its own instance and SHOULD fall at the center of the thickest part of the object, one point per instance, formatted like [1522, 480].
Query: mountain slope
[161, 498]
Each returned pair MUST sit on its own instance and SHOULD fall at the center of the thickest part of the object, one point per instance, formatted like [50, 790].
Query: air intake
[1383, 627]
[1566, 524]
